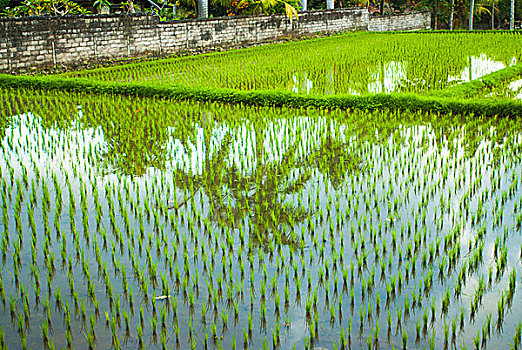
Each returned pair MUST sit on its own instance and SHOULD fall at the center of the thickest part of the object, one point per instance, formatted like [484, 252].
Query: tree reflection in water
[265, 197]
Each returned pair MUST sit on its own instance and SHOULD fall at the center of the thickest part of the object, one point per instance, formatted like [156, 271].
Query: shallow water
[510, 90]
[395, 76]
[284, 199]
[357, 63]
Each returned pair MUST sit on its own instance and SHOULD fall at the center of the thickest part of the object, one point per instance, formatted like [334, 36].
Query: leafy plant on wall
[45, 7]
[4, 5]
[188, 8]
[102, 6]
[270, 6]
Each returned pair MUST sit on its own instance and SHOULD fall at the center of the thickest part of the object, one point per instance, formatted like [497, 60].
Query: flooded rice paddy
[353, 63]
[508, 90]
[142, 223]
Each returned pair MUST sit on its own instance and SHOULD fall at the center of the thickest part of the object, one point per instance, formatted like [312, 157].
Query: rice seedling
[376, 63]
[254, 212]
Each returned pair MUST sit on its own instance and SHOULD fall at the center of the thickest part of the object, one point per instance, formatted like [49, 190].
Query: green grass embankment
[447, 101]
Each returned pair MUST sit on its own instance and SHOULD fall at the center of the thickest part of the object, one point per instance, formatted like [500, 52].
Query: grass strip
[450, 103]
[475, 87]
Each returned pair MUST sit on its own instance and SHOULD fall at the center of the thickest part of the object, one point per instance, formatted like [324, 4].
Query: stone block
[29, 40]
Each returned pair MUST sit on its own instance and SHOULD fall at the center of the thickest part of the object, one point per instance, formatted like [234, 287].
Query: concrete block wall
[54, 41]
[400, 22]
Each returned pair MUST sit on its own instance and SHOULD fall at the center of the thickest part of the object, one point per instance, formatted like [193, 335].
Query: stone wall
[400, 22]
[54, 41]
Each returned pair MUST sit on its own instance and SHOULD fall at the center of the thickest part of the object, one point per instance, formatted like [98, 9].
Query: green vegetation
[510, 89]
[337, 74]
[411, 102]
[355, 63]
[42, 8]
[488, 82]
[136, 215]
[189, 223]
[445, 14]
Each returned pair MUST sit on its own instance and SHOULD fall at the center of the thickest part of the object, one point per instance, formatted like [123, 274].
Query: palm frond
[291, 12]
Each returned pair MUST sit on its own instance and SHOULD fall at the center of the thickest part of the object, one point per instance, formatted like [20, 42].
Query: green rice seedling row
[511, 90]
[147, 223]
[355, 63]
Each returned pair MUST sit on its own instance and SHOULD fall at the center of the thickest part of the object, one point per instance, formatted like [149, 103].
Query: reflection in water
[258, 221]
[256, 172]
[302, 86]
[135, 143]
[28, 141]
[397, 76]
[388, 78]
[336, 65]
[478, 67]
[516, 89]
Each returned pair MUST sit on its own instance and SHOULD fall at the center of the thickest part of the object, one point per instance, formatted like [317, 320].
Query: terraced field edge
[445, 103]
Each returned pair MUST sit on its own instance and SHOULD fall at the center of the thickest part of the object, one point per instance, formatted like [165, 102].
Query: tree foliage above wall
[41, 7]
[487, 14]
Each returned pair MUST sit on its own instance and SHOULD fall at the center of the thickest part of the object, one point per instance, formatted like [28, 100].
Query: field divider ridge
[444, 103]
[476, 86]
